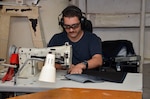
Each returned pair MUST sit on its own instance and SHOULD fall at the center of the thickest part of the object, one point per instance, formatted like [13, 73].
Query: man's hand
[59, 67]
[76, 69]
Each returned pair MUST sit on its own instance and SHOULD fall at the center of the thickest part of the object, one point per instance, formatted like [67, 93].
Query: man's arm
[94, 62]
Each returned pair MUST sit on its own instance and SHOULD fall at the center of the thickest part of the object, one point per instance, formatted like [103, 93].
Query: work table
[132, 82]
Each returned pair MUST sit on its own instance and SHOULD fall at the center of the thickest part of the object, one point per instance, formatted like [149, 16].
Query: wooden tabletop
[81, 93]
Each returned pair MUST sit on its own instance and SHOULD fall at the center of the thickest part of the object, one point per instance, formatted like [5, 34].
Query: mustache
[71, 32]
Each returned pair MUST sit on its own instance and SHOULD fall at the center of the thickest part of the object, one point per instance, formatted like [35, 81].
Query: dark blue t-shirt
[84, 49]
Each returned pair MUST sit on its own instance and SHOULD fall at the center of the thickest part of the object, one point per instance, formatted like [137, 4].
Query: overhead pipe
[142, 33]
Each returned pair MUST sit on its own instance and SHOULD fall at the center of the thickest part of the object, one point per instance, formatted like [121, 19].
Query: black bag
[113, 47]
[122, 49]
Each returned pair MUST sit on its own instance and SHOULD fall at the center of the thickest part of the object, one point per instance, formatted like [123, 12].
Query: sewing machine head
[29, 58]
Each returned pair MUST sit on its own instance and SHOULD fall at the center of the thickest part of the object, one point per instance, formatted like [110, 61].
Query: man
[87, 51]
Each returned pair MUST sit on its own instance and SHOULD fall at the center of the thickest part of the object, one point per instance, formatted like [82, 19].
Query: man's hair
[72, 11]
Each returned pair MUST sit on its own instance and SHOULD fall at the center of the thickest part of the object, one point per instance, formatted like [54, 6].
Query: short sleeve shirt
[84, 49]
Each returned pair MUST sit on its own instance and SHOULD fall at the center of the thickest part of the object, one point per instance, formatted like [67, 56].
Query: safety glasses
[73, 26]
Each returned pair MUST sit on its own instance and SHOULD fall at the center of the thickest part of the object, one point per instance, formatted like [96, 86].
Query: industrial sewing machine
[30, 58]
[27, 62]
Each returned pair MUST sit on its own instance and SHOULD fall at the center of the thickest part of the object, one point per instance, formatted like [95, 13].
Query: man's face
[72, 26]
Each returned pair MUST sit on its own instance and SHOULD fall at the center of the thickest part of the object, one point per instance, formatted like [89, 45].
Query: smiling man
[86, 46]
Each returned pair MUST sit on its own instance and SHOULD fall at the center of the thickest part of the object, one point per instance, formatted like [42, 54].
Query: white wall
[20, 34]
[108, 15]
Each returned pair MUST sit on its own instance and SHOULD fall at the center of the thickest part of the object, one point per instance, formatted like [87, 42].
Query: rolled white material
[48, 72]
